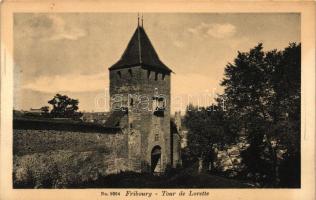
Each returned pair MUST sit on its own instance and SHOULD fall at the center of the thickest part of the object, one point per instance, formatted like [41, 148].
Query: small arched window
[156, 92]
[119, 74]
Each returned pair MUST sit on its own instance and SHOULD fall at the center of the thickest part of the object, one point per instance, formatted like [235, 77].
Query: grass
[84, 170]
[61, 169]
[182, 178]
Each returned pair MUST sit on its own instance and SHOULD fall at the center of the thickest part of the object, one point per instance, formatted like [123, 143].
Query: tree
[45, 110]
[286, 83]
[63, 106]
[262, 95]
[206, 130]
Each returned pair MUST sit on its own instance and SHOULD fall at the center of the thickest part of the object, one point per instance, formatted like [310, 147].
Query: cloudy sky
[71, 53]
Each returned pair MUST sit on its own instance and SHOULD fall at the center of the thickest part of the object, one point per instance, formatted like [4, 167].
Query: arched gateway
[156, 159]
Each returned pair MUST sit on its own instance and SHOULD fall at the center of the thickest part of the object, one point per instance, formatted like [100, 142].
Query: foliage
[61, 168]
[63, 106]
[45, 109]
[207, 129]
[262, 96]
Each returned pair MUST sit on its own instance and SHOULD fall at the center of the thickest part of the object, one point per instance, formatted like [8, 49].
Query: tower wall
[134, 88]
[152, 125]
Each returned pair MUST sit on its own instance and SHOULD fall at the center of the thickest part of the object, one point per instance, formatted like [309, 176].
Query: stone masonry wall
[67, 157]
[143, 124]
[156, 124]
[30, 141]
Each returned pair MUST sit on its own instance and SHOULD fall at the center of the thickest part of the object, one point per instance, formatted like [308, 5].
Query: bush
[59, 169]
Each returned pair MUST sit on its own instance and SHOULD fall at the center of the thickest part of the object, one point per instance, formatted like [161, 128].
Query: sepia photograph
[156, 100]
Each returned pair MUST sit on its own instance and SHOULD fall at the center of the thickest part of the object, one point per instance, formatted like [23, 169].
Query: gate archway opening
[156, 160]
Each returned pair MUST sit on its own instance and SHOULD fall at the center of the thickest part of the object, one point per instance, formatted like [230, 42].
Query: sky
[70, 53]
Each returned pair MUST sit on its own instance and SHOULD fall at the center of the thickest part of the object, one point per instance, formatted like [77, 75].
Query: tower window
[159, 106]
[156, 76]
[156, 92]
[130, 72]
[161, 103]
[157, 137]
[156, 132]
[131, 103]
[148, 74]
[119, 74]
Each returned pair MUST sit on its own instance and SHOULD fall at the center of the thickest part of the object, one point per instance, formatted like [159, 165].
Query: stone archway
[156, 159]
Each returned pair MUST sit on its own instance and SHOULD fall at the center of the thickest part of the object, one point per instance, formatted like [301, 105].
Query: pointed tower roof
[140, 52]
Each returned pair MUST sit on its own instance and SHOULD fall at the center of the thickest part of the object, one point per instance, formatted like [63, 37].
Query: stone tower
[140, 98]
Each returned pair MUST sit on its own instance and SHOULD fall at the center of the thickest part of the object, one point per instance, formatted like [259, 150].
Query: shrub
[59, 169]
